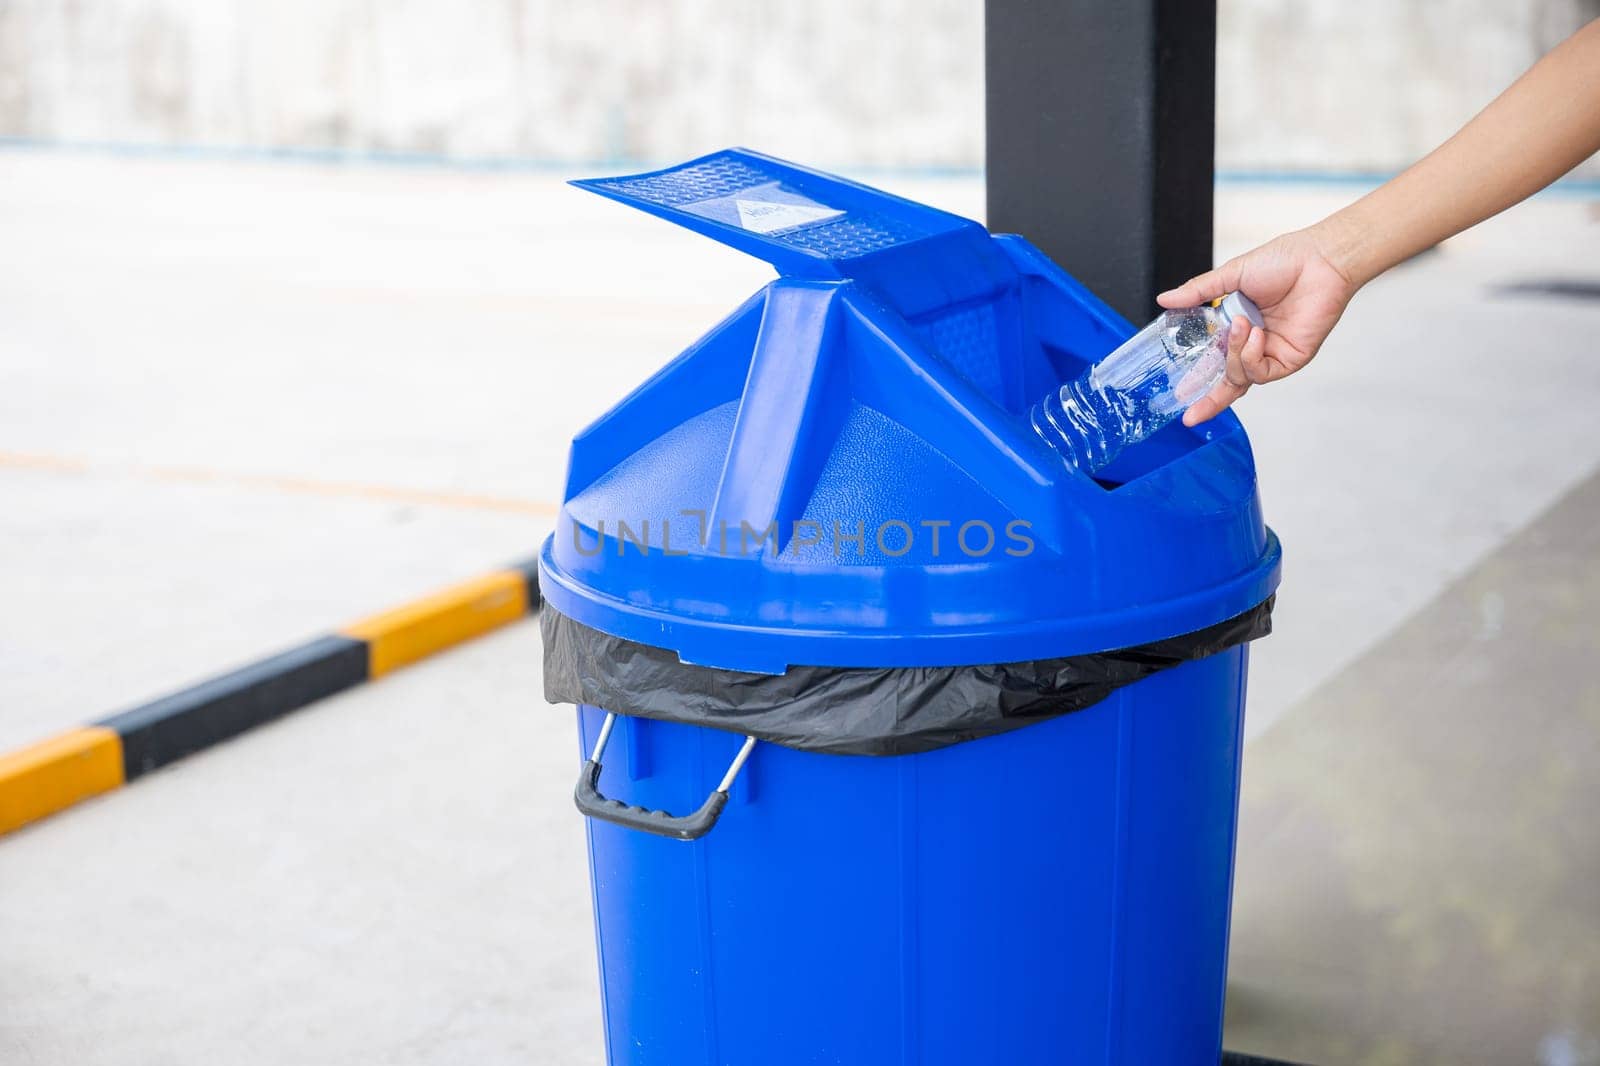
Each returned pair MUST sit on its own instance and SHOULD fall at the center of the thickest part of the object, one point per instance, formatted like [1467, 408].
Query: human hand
[1301, 292]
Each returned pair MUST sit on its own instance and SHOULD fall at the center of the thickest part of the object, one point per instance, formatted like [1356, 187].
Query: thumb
[1214, 283]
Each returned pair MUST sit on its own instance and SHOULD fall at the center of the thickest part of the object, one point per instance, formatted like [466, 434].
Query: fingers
[1280, 360]
[1239, 338]
[1245, 354]
[1214, 402]
[1202, 287]
[1253, 355]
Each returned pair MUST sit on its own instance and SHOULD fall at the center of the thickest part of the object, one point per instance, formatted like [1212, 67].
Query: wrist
[1346, 242]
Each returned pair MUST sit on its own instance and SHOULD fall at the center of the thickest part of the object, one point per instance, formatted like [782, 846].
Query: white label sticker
[765, 216]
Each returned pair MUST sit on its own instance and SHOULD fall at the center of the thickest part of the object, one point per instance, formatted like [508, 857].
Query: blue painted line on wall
[1583, 188]
[1580, 187]
[318, 156]
[419, 160]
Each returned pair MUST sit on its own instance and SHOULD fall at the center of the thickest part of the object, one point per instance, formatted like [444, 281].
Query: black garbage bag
[858, 710]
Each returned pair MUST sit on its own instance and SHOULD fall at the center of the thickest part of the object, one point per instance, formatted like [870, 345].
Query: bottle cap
[1237, 303]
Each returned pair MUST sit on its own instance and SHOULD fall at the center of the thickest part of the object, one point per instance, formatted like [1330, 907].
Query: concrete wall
[1369, 84]
[1305, 84]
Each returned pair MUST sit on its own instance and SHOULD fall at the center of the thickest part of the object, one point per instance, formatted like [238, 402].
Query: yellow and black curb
[54, 774]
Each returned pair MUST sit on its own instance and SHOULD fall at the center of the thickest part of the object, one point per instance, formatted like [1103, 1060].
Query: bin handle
[678, 826]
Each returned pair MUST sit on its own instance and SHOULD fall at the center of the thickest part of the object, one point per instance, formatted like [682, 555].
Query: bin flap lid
[819, 226]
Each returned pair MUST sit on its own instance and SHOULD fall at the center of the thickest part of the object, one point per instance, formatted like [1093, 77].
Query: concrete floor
[242, 403]
[396, 876]
[1419, 874]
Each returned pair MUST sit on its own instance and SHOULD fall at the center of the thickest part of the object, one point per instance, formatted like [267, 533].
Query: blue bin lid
[842, 472]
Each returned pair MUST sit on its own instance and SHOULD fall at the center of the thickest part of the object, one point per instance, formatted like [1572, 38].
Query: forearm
[1537, 130]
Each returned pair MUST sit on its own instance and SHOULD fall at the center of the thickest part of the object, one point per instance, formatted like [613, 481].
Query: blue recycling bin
[902, 741]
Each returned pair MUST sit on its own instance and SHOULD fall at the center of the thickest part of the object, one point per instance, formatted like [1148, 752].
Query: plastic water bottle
[1143, 385]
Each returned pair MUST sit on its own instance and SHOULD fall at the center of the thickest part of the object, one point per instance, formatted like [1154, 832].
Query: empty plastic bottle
[1143, 385]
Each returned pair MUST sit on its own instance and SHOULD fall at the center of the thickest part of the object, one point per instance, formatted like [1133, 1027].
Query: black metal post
[1100, 138]
[1101, 145]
